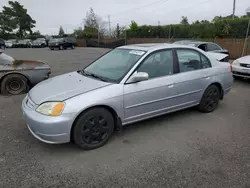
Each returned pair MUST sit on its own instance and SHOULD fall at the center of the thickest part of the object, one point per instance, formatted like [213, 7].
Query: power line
[200, 3]
[137, 8]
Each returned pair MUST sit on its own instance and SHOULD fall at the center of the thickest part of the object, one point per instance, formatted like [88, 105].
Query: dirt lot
[183, 149]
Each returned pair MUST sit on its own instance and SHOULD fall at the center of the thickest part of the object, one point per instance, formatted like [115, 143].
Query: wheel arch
[117, 119]
[219, 85]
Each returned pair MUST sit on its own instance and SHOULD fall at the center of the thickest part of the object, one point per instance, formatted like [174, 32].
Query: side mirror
[138, 77]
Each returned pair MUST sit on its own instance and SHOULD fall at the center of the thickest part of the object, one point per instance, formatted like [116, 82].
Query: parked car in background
[39, 43]
[205, 46]
[128, 84]
[241, 67]
[9, 43]
[14, 43]
[17, 76]
[62, 43]
[25, 43]
[2, 44]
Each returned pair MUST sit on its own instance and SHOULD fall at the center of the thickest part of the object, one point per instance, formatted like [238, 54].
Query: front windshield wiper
[94, 76]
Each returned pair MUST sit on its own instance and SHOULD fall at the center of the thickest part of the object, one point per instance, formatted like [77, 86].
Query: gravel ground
[183, 149]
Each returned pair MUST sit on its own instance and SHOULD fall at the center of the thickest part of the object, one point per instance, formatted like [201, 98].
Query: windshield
[114, 65]
[6, 59]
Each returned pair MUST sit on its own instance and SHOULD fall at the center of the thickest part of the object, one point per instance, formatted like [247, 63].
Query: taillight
[231, 67]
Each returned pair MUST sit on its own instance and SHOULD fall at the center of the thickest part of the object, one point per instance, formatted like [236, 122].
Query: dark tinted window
[158, 64]
[212, 47]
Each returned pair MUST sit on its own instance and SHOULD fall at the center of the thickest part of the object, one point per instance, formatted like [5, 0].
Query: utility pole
[109, 26]
[234, 8]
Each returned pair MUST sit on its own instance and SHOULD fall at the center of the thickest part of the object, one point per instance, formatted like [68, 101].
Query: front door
[155, 95]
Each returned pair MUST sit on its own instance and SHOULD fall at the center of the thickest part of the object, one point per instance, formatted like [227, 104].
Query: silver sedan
[241, 67]
[126, 85]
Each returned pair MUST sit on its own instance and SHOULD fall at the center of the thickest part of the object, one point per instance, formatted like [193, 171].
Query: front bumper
[51, 130]
[241, 71]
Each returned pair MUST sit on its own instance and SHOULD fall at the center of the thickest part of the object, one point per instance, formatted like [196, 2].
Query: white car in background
[9, 43]
[241, 67]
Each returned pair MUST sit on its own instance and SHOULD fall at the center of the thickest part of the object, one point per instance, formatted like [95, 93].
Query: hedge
[224, 28]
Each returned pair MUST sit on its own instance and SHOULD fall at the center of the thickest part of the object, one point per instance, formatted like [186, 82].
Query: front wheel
[73, 46]
[210, 99]
[93, 128]
[60, 47]
[14, 84]
[3, 47]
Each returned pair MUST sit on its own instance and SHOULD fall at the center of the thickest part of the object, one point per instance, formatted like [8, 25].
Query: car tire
[14, 84]
[73, 47]
[210, 99]
[60, 47]
[93, 128]
[2, 47]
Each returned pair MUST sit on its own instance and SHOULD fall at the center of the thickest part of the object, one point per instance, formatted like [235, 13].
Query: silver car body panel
[131, 102]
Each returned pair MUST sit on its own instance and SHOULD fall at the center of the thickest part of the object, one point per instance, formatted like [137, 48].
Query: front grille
[245, 65]
[30, 104]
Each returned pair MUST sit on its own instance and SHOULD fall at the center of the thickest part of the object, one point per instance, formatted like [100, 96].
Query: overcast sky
[50, 14]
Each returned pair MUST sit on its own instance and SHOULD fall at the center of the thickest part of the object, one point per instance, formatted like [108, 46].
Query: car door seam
[162, 99]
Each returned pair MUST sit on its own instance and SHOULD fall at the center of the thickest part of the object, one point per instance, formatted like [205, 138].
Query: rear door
[194, 75]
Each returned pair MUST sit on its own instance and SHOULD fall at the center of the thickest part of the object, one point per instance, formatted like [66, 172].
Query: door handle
[170, 85]
[206, 77]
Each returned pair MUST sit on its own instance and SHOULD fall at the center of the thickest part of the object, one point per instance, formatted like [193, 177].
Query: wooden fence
[234, 46]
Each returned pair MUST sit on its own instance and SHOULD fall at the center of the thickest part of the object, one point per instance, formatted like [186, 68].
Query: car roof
[154, 46]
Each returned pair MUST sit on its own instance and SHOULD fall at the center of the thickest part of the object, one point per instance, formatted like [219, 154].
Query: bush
[222, 28]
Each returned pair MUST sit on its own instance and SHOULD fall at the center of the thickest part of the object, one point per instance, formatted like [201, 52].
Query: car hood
[244, 59]
[62, 87]
[30, 65]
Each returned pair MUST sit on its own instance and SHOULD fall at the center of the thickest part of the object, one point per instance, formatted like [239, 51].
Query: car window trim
[215, 45]
[151, 53]
[178, 64]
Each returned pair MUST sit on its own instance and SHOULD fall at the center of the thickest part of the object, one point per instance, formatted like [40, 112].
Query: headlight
[51, 108]
[236, 62]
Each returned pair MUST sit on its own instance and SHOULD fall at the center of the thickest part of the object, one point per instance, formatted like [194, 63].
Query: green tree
[95, 23]
[91, 19]
[248, 11]
[15, 17]
[61, 31]
[184, 20]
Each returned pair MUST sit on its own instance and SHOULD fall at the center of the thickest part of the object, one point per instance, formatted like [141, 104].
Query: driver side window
[158, 64]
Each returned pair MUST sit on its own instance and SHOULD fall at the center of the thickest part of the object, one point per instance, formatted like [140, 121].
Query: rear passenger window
[190, 60]
[205, 62]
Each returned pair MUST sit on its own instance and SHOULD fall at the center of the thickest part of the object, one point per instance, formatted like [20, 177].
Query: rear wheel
[14, 84]
[210, 99]
[73, 46]
[60, 47]
[93, 128]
